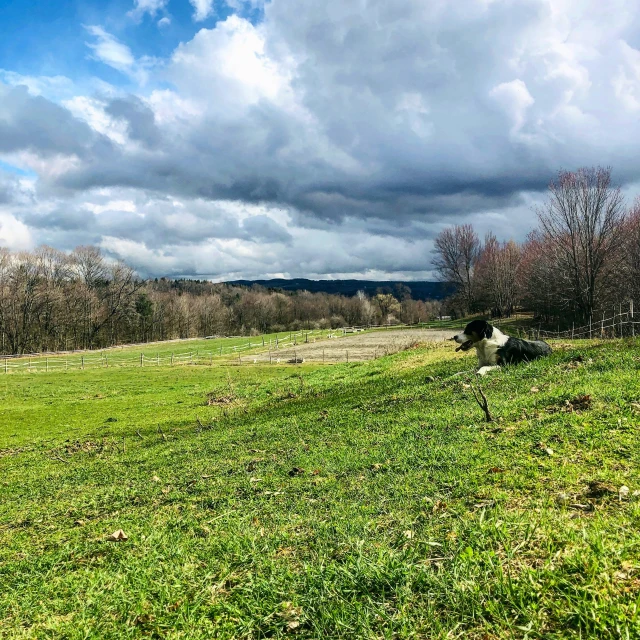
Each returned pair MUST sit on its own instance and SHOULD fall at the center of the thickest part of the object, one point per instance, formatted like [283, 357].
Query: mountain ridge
[420, 289]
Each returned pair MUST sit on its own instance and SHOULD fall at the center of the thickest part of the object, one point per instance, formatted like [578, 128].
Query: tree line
[582, 259]
[54, 301]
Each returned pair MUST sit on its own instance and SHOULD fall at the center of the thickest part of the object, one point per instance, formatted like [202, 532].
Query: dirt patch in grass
[357, 347]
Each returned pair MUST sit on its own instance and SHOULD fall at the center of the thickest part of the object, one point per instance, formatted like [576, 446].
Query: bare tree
[630, 276]
[583, 222]
[457, 250]
[497, 275]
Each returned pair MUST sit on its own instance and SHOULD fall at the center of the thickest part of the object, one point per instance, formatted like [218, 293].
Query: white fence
[619, 322]
[109, 358]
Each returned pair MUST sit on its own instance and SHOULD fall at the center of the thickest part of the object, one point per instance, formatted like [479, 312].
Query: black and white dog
[495, 349]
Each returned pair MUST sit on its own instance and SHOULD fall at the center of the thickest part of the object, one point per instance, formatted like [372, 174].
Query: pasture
[360, 500]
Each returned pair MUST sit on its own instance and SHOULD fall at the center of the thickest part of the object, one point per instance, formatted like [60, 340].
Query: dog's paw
[482, 371]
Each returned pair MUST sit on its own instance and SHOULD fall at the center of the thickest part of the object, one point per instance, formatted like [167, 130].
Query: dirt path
[359, 346]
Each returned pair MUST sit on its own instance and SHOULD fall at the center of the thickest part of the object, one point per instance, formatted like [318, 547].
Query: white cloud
[239, 5]
[626, 81]
[164, 22]
[227, 67]
[53, 87]
[515, 100]
[109, 50]
[147, 6]
[14, 234]
[203, 9]
[92, 112]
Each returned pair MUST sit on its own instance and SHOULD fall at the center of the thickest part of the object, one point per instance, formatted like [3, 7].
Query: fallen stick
[483, 404]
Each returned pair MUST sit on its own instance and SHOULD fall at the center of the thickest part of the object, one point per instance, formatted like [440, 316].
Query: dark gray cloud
[33, 123]
[139, 117]
[156, 222]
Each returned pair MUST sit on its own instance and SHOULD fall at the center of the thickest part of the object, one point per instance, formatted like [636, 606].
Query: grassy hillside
[366, 500]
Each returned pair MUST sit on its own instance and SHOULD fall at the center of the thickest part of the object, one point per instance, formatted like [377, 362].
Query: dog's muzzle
[465, 346]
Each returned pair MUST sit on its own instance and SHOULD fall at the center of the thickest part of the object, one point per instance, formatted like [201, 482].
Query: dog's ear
[487, 332]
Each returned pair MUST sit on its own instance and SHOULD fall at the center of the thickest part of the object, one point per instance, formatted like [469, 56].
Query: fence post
[573, 328]
[263, 341]
[614, 320]
[82, 361]
[602, 326]
[46, 364]
[323, 356]
[590, 317]
[633, 328]
[141, 360]
[66, 364]
[191, 357]
[172, 358]
[221, 348]
[6, 364]
[106, 362]
[239, 359]
[347, 356]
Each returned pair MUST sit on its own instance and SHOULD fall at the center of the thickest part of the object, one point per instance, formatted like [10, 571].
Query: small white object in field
[623, 492]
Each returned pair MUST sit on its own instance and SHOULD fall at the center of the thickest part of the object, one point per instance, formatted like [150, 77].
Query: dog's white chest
[487, 353]
[487, 349]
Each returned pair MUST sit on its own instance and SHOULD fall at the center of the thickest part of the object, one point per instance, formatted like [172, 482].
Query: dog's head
[474, 332]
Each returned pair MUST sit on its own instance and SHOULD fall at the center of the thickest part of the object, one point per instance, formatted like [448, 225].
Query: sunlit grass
[351, 501]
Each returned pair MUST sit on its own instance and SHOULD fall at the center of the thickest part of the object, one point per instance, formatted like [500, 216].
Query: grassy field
[364, 500]
[170, 352]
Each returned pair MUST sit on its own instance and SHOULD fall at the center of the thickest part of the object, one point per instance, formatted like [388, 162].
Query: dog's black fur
[517, 350]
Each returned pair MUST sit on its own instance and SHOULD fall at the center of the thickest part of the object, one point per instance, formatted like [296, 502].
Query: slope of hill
[420, 289]
[364, 500]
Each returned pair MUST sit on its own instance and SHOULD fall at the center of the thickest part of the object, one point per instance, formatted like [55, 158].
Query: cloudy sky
[288, 138]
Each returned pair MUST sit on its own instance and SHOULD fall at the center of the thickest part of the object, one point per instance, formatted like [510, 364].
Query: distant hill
[420, 289]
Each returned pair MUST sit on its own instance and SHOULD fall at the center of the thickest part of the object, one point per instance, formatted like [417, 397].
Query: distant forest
[53, 301]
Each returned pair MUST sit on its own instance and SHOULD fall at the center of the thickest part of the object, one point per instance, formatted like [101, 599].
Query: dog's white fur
[486, 349]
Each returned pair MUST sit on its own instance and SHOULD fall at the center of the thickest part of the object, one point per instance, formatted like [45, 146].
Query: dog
[496, 349]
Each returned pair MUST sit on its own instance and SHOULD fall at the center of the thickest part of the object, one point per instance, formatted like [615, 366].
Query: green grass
[170, 352]
[367, 500]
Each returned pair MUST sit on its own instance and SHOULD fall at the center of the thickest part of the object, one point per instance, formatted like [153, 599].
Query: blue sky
[287, 138]
[48, 38]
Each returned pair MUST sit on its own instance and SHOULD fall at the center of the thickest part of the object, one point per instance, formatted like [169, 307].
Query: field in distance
[364, 344]
[360, 500]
